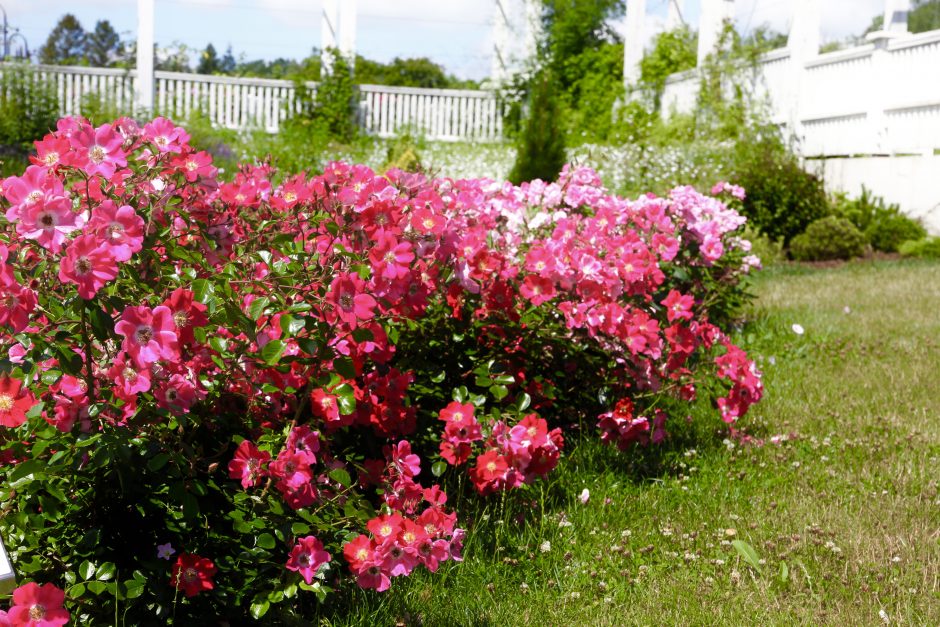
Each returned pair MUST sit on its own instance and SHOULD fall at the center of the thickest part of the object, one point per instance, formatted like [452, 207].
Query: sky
[455, 33]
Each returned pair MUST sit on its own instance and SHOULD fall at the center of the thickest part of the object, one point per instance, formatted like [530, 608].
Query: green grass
[843, 513]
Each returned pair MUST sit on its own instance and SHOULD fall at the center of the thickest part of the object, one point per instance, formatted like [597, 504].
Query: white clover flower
[798, 329]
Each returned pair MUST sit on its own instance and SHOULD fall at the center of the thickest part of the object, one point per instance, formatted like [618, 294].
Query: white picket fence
[879, 98]
[257, 103]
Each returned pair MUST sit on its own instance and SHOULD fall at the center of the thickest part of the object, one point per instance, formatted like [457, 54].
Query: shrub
[220, 142]
[403, 155]
[884, 225]
[928, 247]
[98, 109]
[541, 150]
[887, 232]
[229, 389]
[29, 109]
[829, 238]
[782, 198]
[334, 106]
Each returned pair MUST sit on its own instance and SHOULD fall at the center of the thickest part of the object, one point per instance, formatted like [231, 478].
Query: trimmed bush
[782, 198]
[927, 247]
[887, 232]
[883, 224]
[829, 238]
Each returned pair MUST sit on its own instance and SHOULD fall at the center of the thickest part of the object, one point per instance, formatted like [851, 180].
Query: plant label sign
[7, 576]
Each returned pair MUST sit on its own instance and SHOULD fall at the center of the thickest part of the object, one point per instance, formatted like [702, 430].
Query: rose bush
[225, 398]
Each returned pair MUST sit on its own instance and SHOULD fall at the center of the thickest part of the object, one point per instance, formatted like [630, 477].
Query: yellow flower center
[96, 154]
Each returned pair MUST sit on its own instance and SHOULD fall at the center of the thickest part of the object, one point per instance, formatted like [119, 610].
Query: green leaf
[747, 552]
[346, 399]
[29, 467]
[133, 588]
[308, 345]
[272, 351]
[784, 572]
[266, 541]
[499, 392]
[97, 587]
[291, 325]
[77, 590]
[86, 570]
[523, 401]
[256, 308]
[259, 608]
[202, 289]
[102, 325]
[218, 344]
[345, 367]
[158, 461]
[106, 571]
[438, 468]
[340, 476]
[300, 528]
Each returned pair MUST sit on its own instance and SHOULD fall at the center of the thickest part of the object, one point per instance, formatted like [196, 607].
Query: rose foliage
[232, 399]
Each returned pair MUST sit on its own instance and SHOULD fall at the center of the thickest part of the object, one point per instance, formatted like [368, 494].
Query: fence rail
[878, 98]
[258, 103]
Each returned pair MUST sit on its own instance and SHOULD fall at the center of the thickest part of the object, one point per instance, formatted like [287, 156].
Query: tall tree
[103, 45]
[208, 61]
[924, 16]
[574, 27]
[66, 43]
[228, 64]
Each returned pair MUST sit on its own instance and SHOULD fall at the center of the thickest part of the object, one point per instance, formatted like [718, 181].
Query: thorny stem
[89, 371]
[301, 404]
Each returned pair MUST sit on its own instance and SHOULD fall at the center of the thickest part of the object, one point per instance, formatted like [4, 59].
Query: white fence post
[328, 34]
[633, 42]
[675, 14]
[347, 31]
[803, 43]
[896, 13]
[145, 43]
[502, 29]
[711, 22]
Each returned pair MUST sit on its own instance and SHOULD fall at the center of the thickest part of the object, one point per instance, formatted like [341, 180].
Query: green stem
[89, 371]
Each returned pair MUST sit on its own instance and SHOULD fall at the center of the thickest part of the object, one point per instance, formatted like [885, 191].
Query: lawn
[833, 491]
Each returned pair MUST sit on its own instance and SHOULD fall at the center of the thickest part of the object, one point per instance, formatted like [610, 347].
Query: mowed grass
[839, 501]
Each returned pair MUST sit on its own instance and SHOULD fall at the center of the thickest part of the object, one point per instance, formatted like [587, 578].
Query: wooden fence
[257, 103]
[878, 98]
